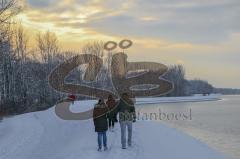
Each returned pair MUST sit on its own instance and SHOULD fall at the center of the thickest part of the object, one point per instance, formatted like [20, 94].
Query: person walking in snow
[72, 98]
[112, 116]
[100, 122]
[127, 116]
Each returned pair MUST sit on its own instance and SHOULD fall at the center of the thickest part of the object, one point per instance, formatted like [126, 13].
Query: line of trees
[24, 70]
[176, 74]
[184, 87]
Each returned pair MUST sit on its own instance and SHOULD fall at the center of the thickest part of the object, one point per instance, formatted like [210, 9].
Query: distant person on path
[100, 123]
[112, 115]
[127, 116]
[72, 98]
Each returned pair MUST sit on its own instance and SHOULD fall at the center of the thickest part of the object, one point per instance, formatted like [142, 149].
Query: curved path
[42, 135]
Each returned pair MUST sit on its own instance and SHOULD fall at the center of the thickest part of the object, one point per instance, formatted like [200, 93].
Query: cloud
[40, 3]
[199, 21]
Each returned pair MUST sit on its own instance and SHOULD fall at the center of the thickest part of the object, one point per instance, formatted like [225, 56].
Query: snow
[88, 104]
[41, 135]
[195, 98]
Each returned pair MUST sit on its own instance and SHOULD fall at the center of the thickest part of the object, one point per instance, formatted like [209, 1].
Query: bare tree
[176, 74]
[20, 41]
[47, 44]
[8, 9]
[94, 48]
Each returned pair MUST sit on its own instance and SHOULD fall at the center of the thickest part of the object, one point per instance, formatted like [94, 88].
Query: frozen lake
[216, 123]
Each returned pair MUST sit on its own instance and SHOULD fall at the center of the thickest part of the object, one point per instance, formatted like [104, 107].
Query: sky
[202, 35]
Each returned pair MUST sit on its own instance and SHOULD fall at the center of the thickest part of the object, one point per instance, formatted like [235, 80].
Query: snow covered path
[42, 135]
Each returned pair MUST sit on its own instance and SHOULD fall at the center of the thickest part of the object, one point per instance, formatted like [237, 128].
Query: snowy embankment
[42, 135]
[195, 98]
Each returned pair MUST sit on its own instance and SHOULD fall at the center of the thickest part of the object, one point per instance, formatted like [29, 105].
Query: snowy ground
[42, 135]
[195, 98]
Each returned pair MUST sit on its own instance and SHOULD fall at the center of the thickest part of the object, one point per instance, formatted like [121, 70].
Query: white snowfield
[42, 135]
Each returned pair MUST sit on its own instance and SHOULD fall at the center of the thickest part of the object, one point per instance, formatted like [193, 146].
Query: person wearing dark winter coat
[126, 109]
[100, 122]
[127, 116]
[72, 98]
[112, 115]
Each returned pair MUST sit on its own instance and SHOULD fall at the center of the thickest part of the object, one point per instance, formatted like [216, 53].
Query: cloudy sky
[203, 35]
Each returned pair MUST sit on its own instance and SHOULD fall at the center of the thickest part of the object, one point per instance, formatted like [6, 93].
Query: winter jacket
[112, 105]
[100, 117]
[126, 110]
[72, 97]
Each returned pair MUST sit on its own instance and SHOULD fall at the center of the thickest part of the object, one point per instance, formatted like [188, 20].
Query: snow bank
[42, 135]
[195, 98]
[87, 104]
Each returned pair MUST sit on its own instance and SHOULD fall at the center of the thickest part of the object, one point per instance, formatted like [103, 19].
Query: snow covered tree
[176, 74]
[8, 9]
